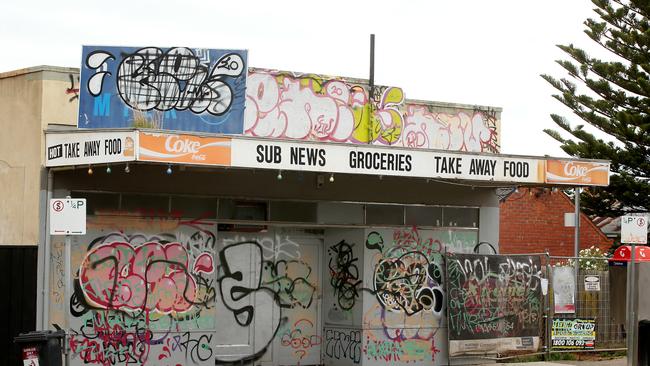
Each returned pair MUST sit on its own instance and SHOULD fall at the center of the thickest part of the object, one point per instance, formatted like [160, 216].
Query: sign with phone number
[573, 333]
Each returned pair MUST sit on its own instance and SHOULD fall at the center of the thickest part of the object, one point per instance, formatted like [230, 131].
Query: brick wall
[532, 221]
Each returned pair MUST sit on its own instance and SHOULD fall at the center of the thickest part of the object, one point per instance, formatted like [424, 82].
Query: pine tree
[617, 103]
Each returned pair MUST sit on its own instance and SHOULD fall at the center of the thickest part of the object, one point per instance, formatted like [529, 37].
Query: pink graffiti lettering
[152, 277]
[460, 132]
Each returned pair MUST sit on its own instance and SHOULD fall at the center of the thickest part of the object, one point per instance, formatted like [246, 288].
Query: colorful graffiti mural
[407, 287]
[320, 108]
[168, 291]
[143, 298]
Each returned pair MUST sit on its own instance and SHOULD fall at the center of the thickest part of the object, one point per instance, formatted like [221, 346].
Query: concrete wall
[29, 100]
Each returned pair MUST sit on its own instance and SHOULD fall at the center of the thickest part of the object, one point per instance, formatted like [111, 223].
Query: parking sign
[68, 216]
[634, 229]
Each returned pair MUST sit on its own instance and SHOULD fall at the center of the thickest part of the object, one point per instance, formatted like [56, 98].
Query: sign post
[634, 230]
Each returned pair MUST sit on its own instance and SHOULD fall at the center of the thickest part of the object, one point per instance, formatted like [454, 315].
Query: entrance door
[297, 278]
[270, 288]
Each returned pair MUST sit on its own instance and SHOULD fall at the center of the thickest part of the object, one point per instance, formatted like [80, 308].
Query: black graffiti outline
[273, 266]
[344, 275]
[145, 84]
[429, 297]
[346, 345]
[239, 292]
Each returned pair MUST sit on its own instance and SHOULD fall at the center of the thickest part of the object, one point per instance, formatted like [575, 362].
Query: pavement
[622, 361]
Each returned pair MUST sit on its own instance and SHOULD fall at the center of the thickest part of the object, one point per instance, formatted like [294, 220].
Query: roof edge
[39, 68]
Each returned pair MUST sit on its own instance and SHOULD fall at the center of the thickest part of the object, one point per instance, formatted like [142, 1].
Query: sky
[475, 52]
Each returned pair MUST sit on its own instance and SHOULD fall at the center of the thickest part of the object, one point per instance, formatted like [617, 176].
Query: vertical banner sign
[573, 334]
[178, 88]
[634, 229]
[494, 303]
[564, 286]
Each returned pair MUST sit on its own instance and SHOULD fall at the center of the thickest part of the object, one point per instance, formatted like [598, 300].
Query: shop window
[340, 213]
[97, 203]
[384, 215]
[242, 210]
[145, 205]
[423, 216]
[194, 207]
[293, 211]
[460, 216]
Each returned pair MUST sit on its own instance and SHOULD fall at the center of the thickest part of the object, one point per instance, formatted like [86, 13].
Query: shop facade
[314, 232]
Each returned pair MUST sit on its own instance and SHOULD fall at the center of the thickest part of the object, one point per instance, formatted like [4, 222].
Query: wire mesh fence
[597, 294]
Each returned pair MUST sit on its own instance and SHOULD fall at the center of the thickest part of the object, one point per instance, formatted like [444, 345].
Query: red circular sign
[58, 205]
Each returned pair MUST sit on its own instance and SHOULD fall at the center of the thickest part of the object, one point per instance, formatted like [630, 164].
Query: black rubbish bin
[644, 343]
[42, 348]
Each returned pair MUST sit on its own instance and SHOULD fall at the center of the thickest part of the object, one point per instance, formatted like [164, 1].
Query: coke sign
[585, 173]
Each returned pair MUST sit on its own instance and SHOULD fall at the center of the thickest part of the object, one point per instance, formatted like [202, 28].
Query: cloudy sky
[462, 51]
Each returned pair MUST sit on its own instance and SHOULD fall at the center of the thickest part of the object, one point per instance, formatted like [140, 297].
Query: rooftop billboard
[177, 88]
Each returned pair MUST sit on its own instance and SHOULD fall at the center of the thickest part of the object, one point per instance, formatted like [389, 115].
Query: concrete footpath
[613, 362]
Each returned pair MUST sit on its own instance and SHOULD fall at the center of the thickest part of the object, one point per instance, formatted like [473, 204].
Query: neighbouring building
[531, 220]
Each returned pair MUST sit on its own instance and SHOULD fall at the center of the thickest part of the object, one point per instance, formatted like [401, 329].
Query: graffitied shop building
[240, 215]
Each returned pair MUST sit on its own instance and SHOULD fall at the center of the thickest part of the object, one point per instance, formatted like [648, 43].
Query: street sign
[634, 229]
[68, 216]
[592, 283]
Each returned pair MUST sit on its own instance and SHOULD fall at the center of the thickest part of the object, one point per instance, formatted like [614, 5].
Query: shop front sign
[185, 149]
[577, 172]
[333, 158]
[64, 149]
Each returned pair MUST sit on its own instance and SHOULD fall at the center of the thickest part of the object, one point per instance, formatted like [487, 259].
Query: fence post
[547, 310]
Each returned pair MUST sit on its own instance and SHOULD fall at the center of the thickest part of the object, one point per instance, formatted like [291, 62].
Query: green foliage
[617, 102]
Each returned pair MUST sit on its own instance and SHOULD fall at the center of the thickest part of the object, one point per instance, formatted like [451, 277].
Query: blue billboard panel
[177, 88]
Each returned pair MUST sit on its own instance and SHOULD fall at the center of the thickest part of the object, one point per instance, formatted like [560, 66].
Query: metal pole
[631, 310]
[547, 305]
[576, 245]
[45, 291]
[371, 82]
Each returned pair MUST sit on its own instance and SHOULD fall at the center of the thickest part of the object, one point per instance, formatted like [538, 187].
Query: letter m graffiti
[102, 106]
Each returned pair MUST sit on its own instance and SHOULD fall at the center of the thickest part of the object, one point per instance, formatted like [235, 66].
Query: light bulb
[90, 170]
[169, 169]
[279, 175]
[332, 178]
[108, 169]
[127, 169]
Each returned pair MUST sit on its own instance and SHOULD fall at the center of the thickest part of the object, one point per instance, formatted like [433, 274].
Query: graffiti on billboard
[321, 108]
[494, 297]
[178, 88]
